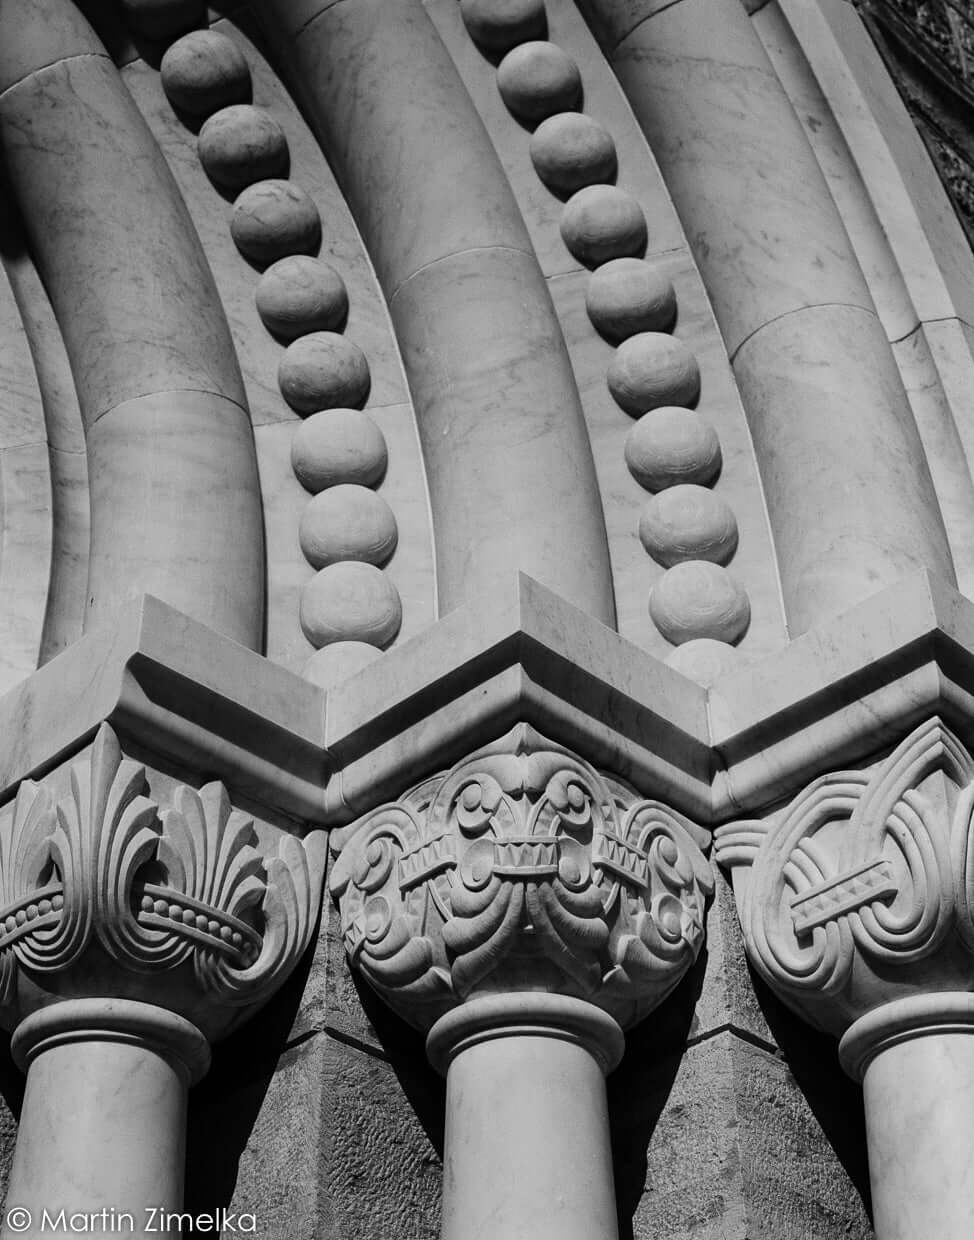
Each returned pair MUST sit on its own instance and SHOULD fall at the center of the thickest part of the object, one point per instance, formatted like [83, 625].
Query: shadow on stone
[834, 1099]
[12, 1080]
[639, 1088]
[224, 1107]
[405, 1049]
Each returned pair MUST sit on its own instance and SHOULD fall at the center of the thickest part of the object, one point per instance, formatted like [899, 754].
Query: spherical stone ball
[332, 664]
[538, 79]
[602, 222]
[628, 295]
[350, 601]
[336, 446]
[242, 144]
[653, 369]
[323, 370]
[570, 150]
[273, 219]
[164, 19]
[347, 522]
[300, 294]
[688, 522]
[671, 445]
[699, 599]
[204, 71]
[499, 25]
[704, 660]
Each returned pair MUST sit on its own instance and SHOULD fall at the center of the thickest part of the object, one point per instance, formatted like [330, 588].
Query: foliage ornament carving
[861, 891]
[184, 902]
[521, 868]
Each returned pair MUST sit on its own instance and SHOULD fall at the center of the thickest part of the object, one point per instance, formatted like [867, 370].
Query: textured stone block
[734, 1146]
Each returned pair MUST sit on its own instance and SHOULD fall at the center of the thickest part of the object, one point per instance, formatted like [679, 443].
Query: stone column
[535, 1064]
[131, 937]
[87, 1147]
[523, 908]
[857, 904]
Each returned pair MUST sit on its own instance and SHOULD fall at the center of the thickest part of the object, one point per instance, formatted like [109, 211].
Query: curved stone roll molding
[303, 302]
[634, 306]
[154, 373]
[791, 302]
[467, 299]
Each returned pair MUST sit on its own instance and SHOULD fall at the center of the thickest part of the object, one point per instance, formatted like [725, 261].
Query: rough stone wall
[928, 46]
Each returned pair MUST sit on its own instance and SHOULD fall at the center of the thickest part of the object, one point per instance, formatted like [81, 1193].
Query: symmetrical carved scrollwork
[522, 868]
[155, 889]
[862, 889]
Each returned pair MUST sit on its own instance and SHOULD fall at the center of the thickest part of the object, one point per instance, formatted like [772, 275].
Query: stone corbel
[525, 906]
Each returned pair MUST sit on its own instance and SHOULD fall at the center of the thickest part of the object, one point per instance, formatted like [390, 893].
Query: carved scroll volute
[103, 893]
[522, 868]
[861, 891]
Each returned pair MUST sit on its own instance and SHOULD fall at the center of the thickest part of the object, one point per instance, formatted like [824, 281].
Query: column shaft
[175, 497]
[102, 1135]
[919, 1099]
[527, 1144]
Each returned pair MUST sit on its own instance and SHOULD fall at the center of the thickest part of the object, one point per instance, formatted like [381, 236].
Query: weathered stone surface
[733, 1147]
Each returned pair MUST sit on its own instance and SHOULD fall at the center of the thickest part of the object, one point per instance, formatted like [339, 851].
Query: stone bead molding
[697, 605]
[348, 532]
[107, 871]
[521, 868]
[861, 891]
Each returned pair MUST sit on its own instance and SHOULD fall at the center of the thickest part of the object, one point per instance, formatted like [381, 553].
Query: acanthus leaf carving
[521, 868]
[857, 885]
[155, 889]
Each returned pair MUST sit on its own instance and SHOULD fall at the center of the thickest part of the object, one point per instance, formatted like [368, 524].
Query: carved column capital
[860, 893]
[522, 868]
[106, 894]
[857, 905]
